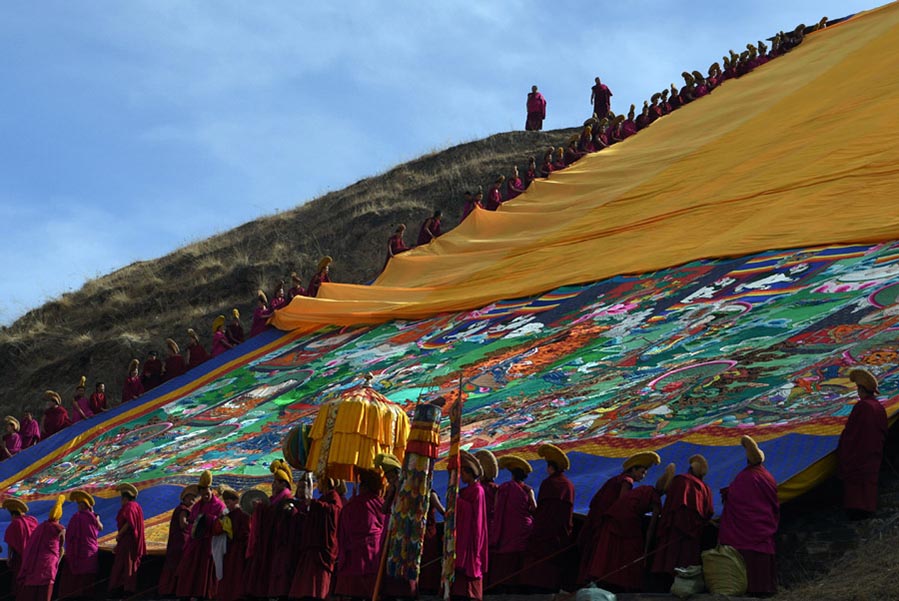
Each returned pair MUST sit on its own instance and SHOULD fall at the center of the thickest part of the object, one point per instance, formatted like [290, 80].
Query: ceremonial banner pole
[452, 491]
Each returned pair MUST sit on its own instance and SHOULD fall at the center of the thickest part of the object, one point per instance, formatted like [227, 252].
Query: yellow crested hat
[699, 465]
[190, 489]
[324, 262]
[512, 461]
[754, 455]
[13, 504]
[387, 461]
[665, 479]
[11, 420]
[52, 395]
[865, 379]
[645, 459]
[173, 346]
[128, 488]
[205, 479]
[468, 460]
[489, 465]
[56, 511]
[81, 496]
[551, 452]
[281, 471]
[235, 313]
[133, 365]
[218, 322]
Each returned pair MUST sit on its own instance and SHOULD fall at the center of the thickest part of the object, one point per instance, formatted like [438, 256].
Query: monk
[531, 173]
[616, 561]
[547, 167]
[514, 185]
[318, 544]
[220, 342]
[174, 363]
[31, 430]
[601, 99]
[133, 387]
[236, 525]
[553, 523]
[12, 442]
[860, 450]
[396, 244]
[559, 162]
[471, 532]
[196, 354]
[489, 472]
[179, 534]
[55, 415]
[151, 375]
[98, 400]
[41, 559]
[494, 196]
[19, 530]
[634, 470]
[78, 575]
[279, 297]
[674, 98]
[468, 206]
[536, 106]
[235, 332]
[359, 537]
[686, 515]
[261, 313]
[431, 549]
[750, 520]
[196, 574]
[321, 276]
[572, 154]
[512, 522]
[81, 405]
[130, 546]
[430, 229]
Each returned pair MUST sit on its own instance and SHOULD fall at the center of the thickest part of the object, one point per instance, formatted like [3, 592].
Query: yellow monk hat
[56, 511]
[699, 465]
[387, 461]
[81, 496]
[217, 323]
[468, 460]
[665, 479]
[512, 461]
[754, 455]
[11, 420]
[193, 334]
[551, 452]
[235, 313]
[226, 492]
[488, 463]
[281, 471]
[205, 479]
[645, 459]
[173, 346]
[13, 504]
[52, 395]
[190, 489]
[127, 488]
[865, 379]
[324, 262]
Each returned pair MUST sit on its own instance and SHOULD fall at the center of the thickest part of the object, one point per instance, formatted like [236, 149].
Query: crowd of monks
[293, 544]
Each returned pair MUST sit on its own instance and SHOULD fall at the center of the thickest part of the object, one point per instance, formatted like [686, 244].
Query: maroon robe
[132, 388]
[286, 524]
[471, 542]
[12, 443]
[219, 343]
[749, 522]
[98, 402]
[55, 419]
[294, 291]
[621, 541]
[553, 523]
[231, 586]
[395, 246]
[318, 548]
[572, 155]
[536, 105]
[40, 563]
[235, 333]
[198, 355]
[429, 230]
[278, 302]
[174, 367]
[469, 206]
[604, 498]
[174, 549]
[490, 489]
[859, 454]
[316, 282]
[359, 536]
[529, 176]
[151, 375]
[129, 549]
[196, 574]
[16, 538]
[547, 168]
[510, 530]
[687, 511]
[260, 318]
[494, 199]
[602, 100]
[78, 574]
[84, 404]
[514, 187]
[30, 433]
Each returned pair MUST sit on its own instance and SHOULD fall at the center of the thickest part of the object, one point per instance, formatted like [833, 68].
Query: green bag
[724, 571]
[687, 581]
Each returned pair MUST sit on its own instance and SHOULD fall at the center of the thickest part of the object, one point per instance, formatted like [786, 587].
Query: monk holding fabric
[174, 363]
[30, 431]
[297, 288]
[471, 532]
[81, 405]
[130, 543]
[553, 523]
[236, 526]
[196, 574]
[19, 530]
[133, 387]
[55, 415]
[234, 332]
[514, 185]
[179, 534]
[40, 562]
[634, 470]
[860, 449]
[685, 516]
[196, 353]
[98, 400]
[151, 375]
[359, 537]
[512, 521]
[395, 244]
[750, 519]
[536, 106]
[78, 575]
[617, 561]
[318, 544]
[220, 342]
[494, 196]
[12, 442]
[430, 229]
[321, 276]
[261, 313]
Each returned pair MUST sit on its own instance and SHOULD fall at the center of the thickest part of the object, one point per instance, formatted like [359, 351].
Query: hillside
[96, 330]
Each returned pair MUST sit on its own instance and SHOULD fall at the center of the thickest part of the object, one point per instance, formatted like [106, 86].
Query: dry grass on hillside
[96, 330]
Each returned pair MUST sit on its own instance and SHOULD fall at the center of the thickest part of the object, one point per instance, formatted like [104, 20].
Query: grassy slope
[98, 329]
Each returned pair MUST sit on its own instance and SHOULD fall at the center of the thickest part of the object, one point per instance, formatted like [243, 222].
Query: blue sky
[133, 128]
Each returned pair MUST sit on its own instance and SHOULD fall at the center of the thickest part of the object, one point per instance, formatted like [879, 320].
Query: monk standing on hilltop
[536, 105]
[601, 99]
[860, 450]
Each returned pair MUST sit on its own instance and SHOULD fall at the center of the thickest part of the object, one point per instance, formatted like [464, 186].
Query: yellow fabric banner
[802, 151]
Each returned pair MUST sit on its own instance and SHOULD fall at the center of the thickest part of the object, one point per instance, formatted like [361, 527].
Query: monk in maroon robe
[235, 331]
[174, 363]
[322, 276]
[297, 289]
[12, 442]
[359, 537]
[196, 574]
[616, 561]
[431, 550]
[494, 196]
[78, 574]
[40, 561]
[547, 167]
[131, 545]
[489, 471]
[318, 544]
[514, 185]
[634, 470]
[31, 430]
[601, 99]
[860, 450]
[19, 530]
[196, 353]
[471, 533]
[81, 405]
[151, 375]
[530, 173]
[98, 398]
[231, 586]
[572, 154]
[674, 98]
[430, 229]
[179, 534]
[750, 520]
[512, 522]
[553, 524]
[55, 415]
[133, 387]
[279, 297]
[685, 516]
[220, 342]
[536, 107]
[395, 244]
[261, 313]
